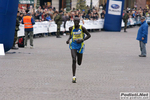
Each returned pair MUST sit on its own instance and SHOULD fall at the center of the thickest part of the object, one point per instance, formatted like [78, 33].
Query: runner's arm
[88, 35]
[70, 29]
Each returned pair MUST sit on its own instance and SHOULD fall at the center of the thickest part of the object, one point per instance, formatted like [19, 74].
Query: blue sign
[113, 16]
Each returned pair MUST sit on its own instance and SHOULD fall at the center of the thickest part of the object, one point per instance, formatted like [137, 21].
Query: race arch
[8, 14]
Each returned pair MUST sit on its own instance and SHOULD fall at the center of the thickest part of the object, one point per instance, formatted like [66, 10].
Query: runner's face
[142, 20]
[76, 22]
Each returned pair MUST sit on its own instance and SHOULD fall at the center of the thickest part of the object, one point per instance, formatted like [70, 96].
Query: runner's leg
[79, 58]
[74, 54]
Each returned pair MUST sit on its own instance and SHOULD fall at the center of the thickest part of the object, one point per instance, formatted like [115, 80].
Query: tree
[81, 4]
[91, 3]
[67, 5]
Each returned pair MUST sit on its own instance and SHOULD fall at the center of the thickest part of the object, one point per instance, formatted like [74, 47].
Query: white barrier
[131, 21]
[2, 50]
[148, 19]
[39, 27]
[45, 27]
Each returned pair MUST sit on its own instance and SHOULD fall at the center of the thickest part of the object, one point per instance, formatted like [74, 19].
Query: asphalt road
[110, 65]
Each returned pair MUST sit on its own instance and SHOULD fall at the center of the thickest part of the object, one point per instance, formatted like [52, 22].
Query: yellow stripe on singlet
[81, 47]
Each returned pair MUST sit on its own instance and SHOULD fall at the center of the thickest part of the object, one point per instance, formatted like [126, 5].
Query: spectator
[92, 16]
[50, 11]
[95, 16]
[28, 22]
[54, 9]
[77, 14]
[103, 14]
[43, 17]
[83, 14]
[100, 11]
[72, 15]
[37, 17]
[58, 21]
[142, 36]
[16, 30]
[65, 18]
[125, 19]
[21, 16]
[88, 16]
[48, 18]
[104, 7]
[133, 14]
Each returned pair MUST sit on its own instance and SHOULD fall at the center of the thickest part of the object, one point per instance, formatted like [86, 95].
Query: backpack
[21, 42]
[125, 17]
[55, 19]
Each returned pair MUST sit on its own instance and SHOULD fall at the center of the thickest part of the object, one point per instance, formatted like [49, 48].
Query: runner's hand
[67, 42]
[80, 41]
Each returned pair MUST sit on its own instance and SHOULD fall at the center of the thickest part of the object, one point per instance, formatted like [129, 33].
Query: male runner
[77, 44]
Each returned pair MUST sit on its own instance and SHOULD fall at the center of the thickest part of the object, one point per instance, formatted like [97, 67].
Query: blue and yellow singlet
[77, 35]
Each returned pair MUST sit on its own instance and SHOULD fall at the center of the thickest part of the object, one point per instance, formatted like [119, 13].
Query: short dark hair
[142, 17]
[56, 12]
[27, 11]
[60, 11]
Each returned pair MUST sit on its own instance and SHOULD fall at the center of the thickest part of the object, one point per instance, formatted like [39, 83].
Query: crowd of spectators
[49, 13]
[137, 13]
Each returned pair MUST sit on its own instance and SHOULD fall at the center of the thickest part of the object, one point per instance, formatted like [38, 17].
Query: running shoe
[31, 47]
[74, 79]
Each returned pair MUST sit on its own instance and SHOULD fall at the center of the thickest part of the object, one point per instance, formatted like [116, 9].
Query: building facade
[141, 3]
[148, 2]
[58, 4]
[128, 3]
[131, 3]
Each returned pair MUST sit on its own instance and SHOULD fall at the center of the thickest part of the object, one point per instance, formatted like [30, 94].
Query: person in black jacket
[103, 14]
[16, 30]
[125, 19]
[58, 21]
[65, 18]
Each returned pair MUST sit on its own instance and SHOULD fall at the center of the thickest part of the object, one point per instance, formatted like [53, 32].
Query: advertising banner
[115, 7]
[113, 16]
[26, 1]
[48, 27]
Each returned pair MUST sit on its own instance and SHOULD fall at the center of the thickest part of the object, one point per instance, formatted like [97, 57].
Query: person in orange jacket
[28, 22]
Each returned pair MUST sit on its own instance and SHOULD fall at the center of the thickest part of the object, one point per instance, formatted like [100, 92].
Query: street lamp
[91, 4]
[37, 2]
[67, 5]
